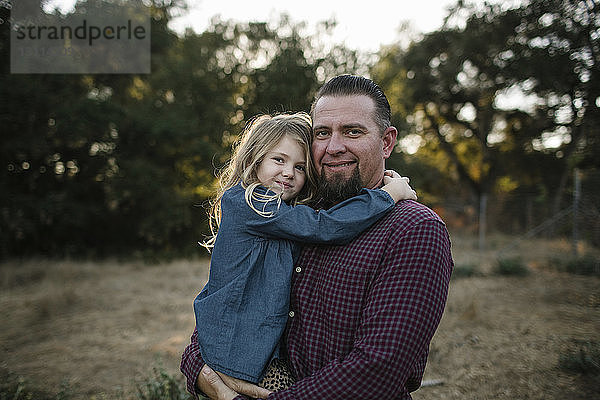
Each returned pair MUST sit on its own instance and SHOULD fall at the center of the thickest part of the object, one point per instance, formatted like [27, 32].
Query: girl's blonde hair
[261, 134]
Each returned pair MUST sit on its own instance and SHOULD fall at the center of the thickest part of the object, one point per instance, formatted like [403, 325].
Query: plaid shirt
[362, 315]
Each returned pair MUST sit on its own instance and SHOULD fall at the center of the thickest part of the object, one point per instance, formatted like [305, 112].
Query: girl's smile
[283, 169]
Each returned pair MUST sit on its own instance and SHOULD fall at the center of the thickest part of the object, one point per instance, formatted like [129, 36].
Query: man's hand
[213, 386]
[218, 386]
[245, 387]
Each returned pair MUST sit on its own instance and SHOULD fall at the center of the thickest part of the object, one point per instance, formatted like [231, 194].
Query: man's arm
[403, 310]
[200, 376]
[191, 364]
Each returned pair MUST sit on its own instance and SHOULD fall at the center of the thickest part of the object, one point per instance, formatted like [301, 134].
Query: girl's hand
[397, 186]
[391, 173]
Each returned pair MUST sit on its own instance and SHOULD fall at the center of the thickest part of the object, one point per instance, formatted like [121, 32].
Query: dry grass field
[100, 328]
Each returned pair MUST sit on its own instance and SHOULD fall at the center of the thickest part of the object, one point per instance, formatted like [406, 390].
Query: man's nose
[336, 144]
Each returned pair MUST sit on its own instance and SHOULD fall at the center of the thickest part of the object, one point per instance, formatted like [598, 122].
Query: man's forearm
[191, 367]
[191, 364]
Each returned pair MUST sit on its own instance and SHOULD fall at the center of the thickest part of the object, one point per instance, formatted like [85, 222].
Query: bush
[584, 359]
[588, 265]
[162, 386]
[464, 271]
[14, 387]
[512, 267]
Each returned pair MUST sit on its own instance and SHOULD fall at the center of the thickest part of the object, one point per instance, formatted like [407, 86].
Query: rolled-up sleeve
[191, 364]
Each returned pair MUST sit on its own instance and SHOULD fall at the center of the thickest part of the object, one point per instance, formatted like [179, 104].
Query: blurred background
[497, 109]
[105, 177]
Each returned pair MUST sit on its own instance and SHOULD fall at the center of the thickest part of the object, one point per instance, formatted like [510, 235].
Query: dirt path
[101, 327]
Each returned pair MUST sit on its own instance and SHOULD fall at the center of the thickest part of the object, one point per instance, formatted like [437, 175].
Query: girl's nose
[288, 171]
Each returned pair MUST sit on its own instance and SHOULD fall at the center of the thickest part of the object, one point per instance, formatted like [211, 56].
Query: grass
[160, 385]
[101, 326]
[13, 387]
[584, 358]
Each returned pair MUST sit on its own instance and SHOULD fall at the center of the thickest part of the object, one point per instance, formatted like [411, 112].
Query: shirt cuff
[191, 364]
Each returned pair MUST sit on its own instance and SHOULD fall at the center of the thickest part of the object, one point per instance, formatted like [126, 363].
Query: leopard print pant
[277, 377]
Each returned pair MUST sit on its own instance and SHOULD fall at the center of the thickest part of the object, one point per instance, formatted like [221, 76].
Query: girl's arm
[337, 225]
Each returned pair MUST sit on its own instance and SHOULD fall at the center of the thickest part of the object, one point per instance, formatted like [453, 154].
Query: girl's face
[283, 169]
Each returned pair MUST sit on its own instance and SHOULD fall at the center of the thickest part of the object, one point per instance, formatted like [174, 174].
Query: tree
[453, 88]
[51, 201]
[107, 164]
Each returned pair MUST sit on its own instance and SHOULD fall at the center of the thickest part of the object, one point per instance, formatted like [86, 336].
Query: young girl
[259, 213]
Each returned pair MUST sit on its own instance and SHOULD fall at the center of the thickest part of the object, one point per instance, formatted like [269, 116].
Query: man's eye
[354, 132]
[321, 134]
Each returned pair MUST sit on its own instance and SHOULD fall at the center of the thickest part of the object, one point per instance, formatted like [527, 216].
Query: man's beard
[337, 189]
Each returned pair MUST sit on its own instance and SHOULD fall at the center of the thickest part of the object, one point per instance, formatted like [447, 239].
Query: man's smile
[338, 164]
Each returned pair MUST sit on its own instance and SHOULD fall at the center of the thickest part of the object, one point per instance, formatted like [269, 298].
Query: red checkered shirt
[362, 315]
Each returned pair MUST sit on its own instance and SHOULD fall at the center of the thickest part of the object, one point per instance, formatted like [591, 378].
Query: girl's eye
[300, 168]
[277, 159]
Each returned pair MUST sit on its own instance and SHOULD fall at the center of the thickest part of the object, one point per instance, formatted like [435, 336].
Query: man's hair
[352, 85]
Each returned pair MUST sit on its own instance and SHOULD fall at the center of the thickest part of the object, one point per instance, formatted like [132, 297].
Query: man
[362, 315]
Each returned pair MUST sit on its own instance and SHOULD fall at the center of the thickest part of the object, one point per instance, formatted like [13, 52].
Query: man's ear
[389, 141]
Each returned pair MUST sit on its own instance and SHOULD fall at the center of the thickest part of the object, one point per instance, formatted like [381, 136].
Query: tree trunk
[483, 197]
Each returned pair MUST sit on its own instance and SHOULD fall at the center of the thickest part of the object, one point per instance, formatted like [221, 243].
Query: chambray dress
[242, 310]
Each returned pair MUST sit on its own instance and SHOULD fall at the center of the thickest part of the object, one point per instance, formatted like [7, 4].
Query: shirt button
[291, 314]
[298, 269]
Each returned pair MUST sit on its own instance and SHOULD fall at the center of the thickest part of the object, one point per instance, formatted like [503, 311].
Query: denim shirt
[242, 310]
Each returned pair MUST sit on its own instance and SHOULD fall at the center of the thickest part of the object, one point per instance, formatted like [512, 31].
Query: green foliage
[158, 386]
[449, 89]
[13, 387]
[162, 386]
[511, 267]
[584, 358]
[104, 165]
[464, 271]
[121, 165]
[588, 265]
